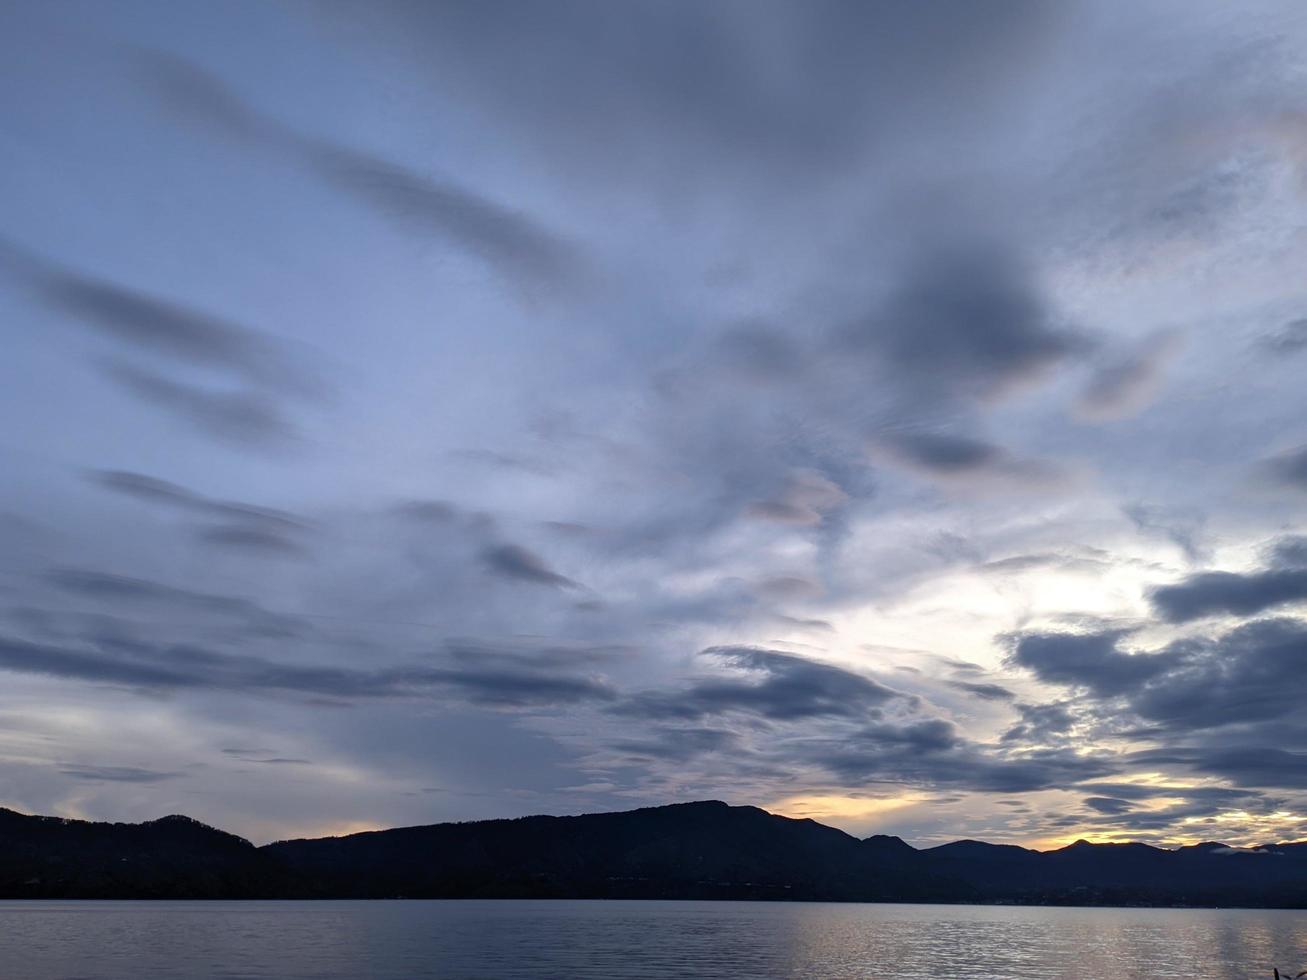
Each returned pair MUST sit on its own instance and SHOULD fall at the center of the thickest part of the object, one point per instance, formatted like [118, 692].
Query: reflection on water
[611, 940]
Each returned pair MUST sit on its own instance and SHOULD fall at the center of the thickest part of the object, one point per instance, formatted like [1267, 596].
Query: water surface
[502, 940]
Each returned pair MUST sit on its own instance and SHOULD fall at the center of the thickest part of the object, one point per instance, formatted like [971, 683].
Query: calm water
[614, 940]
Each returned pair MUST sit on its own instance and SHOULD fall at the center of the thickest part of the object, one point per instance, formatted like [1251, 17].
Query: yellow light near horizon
[840, 807]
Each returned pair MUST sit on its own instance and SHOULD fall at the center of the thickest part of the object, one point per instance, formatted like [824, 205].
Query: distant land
[703, 850]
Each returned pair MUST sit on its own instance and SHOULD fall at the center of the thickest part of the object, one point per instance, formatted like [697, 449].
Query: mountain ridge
[699, 849]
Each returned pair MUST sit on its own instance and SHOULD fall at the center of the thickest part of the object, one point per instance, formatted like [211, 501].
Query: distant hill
[687, 850]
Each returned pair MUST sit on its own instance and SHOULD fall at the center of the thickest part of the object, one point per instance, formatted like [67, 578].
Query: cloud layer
[886, 413]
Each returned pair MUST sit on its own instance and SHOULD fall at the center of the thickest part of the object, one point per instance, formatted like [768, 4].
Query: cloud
[924, 754]
[512, 561]
[163, 327]
[264, 757]
[115, 774]
[804, 501]
[953, 457]
[788, 587]
[967, 321]
[1120, 388]
[1224, 705]
[761, 354]
[1290, 552]
[1087, 660]
[241, 417]
[1179, 527]
[692, 91]
[252, 540]
[152, 490]
[512, 683]
[262, 375]
[769, 683]
[428, 511]
[1109, 805]
[986, 692]
[518, 247]
[1289, 468]
[119, 589]
[1228, 594]
[1289, 339]
[1042, 724]
[678, 744]
[31, 658]
[1248, 674]
[794, 255]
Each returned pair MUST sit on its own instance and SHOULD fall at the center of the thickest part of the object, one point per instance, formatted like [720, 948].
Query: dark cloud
[966, 321]
[1229, 594]
[1261, 763]
[119, 589]
[944, 454]
[262, 374]
[141, 665]
[264, 757]
[1092, 661]
[252, 540]
[152, 490]
[987, 692]
[31, 658]
[679, 744]
[929, 754]
[515, 562]
[1289, 339]
[1109, 805]
[1223, 706]
[1122, 386]
[928, 735]
[428, 511]
[1221, 796]
[1042, 724]
[511, 242]
[115, 774]
[1289, 468]
[162, 327]
[686, 90]
[947, 456]
[1290, 552]
[1250, 674]
[788, 587]
[775, 685]
[241, 417]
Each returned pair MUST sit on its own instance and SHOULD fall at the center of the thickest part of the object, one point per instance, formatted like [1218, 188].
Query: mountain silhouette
[705, 850]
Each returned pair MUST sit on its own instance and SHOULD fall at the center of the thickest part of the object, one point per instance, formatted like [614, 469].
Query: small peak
[704, 805]
[888, 842]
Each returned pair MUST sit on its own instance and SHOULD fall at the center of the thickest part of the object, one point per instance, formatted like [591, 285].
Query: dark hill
[688, 850]
[173, 857]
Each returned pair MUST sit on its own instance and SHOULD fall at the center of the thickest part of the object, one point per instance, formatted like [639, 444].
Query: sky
[890, 413]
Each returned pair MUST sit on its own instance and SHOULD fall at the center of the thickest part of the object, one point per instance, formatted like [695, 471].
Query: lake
[500, 940]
